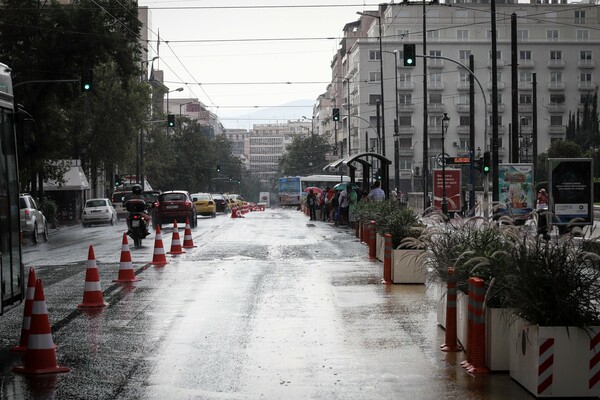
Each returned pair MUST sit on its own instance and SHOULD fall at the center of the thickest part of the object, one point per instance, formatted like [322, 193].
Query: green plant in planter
[49, 209]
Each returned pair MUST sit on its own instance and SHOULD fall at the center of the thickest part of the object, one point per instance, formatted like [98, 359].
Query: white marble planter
[441, 293]
[408, 266]
[555, 361]
[497, 334]
[379, 247]
[462, 303]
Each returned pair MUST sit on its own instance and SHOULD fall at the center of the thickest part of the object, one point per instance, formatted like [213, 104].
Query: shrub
[49, 209]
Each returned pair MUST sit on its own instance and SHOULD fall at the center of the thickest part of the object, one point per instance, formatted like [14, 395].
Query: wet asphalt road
[271, 306]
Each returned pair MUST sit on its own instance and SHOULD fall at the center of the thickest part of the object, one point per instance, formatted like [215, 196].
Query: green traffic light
[409, 61]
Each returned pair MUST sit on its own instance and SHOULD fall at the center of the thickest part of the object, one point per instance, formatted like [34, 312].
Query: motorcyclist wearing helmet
[134, 202]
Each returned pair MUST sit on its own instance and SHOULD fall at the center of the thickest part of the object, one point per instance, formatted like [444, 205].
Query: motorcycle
[138, 227]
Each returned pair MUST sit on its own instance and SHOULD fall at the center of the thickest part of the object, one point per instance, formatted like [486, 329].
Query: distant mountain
[291, 111]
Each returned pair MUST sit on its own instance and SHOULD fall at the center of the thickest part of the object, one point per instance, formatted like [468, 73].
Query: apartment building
[559, 43]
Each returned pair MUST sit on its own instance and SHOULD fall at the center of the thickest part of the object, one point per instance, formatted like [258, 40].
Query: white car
[33, 221]
[98, 211]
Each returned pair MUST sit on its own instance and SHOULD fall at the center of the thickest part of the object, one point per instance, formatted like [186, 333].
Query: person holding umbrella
[311, 201]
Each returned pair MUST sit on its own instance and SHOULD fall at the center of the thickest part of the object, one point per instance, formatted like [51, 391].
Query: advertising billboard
[453, 183]
[571, 190]
[517, 193]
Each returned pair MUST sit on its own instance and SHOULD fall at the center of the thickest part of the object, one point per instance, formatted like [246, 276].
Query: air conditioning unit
[455, 144]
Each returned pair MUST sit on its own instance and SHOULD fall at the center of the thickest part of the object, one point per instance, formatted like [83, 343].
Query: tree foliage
[305, 156]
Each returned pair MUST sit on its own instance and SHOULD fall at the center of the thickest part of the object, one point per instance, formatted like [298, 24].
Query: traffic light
[219, 168]
[378, 174]
[486, 162]
[171, 120]
[118, 180]
[87, 78]
[336, 114]
[410, 55]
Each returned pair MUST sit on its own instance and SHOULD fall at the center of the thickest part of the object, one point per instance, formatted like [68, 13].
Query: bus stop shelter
[369, 162]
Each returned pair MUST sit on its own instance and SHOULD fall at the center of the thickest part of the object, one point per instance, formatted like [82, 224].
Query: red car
[174, 205]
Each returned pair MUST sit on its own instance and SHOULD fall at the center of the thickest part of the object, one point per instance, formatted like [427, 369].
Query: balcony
[406, 108]
[435, 85]
[435, 63]
[586, 85]
[525, 85]
[463, 129]
[406, 130]
[406, 85]
[405, 151]
[556, 85]
[499, 63]
[556, 108]
[501, 85]
[526, 64]
[462, 86]
[525, 108]
[501, 108]
[556, 63]
[557, 130]
[501, 129]
[463, 108]
[436, 107]
[586, 64]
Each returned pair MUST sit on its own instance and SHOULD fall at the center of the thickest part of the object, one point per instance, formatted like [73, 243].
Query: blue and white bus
[290, 191]
[12, 274]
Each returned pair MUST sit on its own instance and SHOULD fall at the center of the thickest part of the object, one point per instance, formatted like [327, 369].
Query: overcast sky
[207, 42]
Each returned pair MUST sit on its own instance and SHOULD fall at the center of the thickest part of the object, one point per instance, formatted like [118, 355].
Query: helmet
[136, 189]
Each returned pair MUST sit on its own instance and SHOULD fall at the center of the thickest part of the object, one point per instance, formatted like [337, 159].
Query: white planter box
[379, 247]
[441, 293]
[497, 338]
[564, 354]
[462, 318]
[408, 266]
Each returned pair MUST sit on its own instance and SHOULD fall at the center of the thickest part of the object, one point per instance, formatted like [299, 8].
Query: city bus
[12, 276]
[290, 191]
[322, 181]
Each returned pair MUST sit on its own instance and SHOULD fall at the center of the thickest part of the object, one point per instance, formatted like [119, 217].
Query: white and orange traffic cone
[40, 356]
[234, 213]
[188, 241]
[27, 312]
[159, 259]
[92, 295]
[176, 242]
[126, 272]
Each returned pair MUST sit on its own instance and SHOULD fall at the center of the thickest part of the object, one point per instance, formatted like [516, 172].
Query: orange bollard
[126, 272]
[158, 258]
[387, 259]
[40, 356]
[188, 241]
[92, 294]
[451, 342]
[371, 240]
[477, 338]
[176, 242]
[29, 294]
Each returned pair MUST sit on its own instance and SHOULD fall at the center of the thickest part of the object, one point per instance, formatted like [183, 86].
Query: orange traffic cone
[176, 242]
[234, 213]
[126, 273]
[27, 312]
[188, 241]
[159, 259]
[40, 356]
[92, 295]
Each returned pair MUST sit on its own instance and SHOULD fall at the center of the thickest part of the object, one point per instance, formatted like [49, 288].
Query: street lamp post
[171, 91]
[396, 134]
[445, 120]
[380, 78]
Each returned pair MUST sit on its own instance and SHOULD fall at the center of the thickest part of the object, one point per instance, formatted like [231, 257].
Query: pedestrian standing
[324, 204]
[344, 206]
[311, 201]
[352, 202]
[376, 194]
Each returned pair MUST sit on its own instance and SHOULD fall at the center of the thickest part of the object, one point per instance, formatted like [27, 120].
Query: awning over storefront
[74, 179]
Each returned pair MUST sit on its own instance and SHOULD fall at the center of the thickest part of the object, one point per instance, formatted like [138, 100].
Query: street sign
[458, 160]
[442, 159]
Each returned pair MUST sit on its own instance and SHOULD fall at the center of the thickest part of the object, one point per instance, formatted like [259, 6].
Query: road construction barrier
[126, 272]
[234, 213]
[29, 294]
[387, 259]
[92, 294]
[476, 332]
[188, 241]
[451, 342]
[40, 356]
[159, 258]
[175, 241]
[372, 238]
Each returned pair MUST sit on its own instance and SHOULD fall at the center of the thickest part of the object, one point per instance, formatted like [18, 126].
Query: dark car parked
[221, 202]
[174, 205]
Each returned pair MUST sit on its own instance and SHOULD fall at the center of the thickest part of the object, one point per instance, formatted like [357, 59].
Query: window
[405, 164]
[585, 55]
[433, 35]
[464, 120]
[555, 77]
[405, 143]
[435, 53]
[404, 77]
[525, 76]
[435, 78]
[557, 99]
[373, 98]
[525, 99]
[498, 76]
[402, 33]
[525, 55]
[556, 120]
[488, 34]
[580, 16]
[582, 34]
[462, 34]
[552, 34]
[556, 55]
[435, 98]
[374, 76]
[498, 55]
[585, 77]
[374, 55]
[464, 99]
[464, 54]
[404, 120]
[404, 98]
[585, 97]
[463, 76]
[435, 120]
[499, 98]
[463, 143]
[522, 34]
[435, 143]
